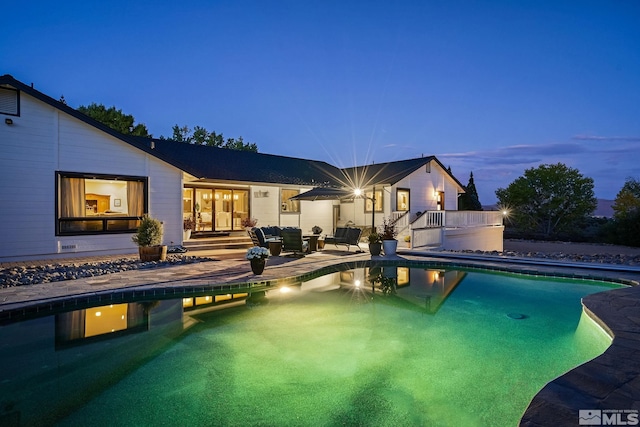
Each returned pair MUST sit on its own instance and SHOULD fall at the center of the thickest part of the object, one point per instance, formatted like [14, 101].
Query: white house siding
[423, 186]
[319, 212]
[44, 140]
[265, 205]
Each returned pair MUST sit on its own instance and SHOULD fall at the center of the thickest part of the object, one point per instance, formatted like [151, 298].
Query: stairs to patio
[232, 241]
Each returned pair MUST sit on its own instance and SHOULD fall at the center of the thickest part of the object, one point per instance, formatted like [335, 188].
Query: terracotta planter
[152, 253]
[375, 248]
[390, 247]
[257, 265]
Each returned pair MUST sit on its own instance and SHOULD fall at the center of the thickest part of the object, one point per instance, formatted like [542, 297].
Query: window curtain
[72, 198]
[135, 198]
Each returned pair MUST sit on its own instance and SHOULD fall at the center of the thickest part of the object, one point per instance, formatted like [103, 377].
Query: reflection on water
[54, 367]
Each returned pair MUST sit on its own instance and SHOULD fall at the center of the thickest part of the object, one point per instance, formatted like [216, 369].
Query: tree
[469, 200]
[628, 199]
[201, 136]
[625, 228]
[115, 119]
[548, 199]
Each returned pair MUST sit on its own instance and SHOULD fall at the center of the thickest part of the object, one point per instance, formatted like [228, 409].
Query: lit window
[368, 203]
[99, 204]
[289, 206]
[402, 200]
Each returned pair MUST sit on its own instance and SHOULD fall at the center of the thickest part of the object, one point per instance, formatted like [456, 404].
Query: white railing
[429, 219]
[400, 219]
[458, 219]
[465, 219]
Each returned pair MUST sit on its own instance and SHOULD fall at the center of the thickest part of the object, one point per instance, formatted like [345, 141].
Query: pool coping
[611, 381]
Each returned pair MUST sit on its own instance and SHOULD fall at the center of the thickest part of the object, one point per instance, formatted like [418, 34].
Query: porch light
[8, 121]
[357, 192]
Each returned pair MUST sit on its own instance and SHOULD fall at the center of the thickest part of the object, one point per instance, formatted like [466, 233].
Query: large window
[96, 204]
[368, 203]
[289, 206]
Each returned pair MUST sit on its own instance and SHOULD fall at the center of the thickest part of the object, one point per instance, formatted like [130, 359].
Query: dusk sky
[489, 87]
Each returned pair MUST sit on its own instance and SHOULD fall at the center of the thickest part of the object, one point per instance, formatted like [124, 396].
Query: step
[230, 242]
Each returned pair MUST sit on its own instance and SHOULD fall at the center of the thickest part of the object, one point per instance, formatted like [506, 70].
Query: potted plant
[316, 230]
[375, 244]
[149, 240]
[257, 256]
[388, 233]
[188, 225]
[248, 223]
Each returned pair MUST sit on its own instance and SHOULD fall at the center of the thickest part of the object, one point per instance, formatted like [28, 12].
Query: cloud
[608, 162]
[606, 138]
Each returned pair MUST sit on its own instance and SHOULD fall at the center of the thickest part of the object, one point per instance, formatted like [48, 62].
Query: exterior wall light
[8, 121]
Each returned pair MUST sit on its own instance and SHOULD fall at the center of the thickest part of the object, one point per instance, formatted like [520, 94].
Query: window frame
[105, 228]
[408, 191]
[379, 208]
[286, 202]
[17, 114]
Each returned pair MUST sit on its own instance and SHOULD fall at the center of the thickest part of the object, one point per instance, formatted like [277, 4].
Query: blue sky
[489, 87]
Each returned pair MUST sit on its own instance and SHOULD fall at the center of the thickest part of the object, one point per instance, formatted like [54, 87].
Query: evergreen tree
[469, 201]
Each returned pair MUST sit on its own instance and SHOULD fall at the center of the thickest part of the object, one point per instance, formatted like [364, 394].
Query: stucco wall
[474, 238]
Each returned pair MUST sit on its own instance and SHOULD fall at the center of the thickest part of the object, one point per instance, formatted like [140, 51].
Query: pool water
[437, 348]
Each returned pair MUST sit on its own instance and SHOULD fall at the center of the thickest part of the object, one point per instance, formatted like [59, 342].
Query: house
[72, 186]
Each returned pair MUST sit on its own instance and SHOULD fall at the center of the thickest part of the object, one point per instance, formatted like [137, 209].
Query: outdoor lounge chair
[292, 241]
[259, 239]
[346, 236]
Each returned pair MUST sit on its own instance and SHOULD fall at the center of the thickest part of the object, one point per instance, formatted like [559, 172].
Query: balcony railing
[457, 219]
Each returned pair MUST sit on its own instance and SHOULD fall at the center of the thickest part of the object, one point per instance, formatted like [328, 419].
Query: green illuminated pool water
[447, 349]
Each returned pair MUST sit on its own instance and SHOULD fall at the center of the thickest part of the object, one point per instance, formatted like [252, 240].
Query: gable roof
[212, 163]
[391, 172]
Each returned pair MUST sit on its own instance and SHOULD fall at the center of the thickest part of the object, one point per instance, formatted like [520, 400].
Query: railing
[457, 219]
[428, 229]
[465, 219]
[429, 219]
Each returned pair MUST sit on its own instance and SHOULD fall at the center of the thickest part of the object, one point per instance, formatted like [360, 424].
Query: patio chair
[346, 236]
[292, 241]
[259, 239]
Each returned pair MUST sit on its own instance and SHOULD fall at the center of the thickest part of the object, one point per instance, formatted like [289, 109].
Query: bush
[149, 232]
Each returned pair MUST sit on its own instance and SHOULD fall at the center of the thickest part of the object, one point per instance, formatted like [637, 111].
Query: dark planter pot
[257, 265]
[375, 248]
[153, 253]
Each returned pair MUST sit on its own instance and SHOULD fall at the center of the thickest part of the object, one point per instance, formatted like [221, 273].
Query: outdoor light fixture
[357, 192]
[8, 121]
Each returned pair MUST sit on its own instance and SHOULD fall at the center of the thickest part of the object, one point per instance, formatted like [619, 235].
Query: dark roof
[212, 163]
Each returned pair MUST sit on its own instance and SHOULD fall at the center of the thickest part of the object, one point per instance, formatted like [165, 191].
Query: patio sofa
[262, 236]
[346, 236]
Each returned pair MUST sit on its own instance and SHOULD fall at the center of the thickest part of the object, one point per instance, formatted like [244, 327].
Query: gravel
[605, 258]
[55, 272]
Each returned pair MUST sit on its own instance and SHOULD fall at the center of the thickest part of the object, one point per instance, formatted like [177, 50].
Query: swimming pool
[438, 346]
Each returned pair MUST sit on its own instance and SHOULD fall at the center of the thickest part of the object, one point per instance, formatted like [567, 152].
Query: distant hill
[603, 210]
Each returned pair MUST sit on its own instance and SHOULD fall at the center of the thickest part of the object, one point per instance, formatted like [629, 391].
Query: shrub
[149, 232]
